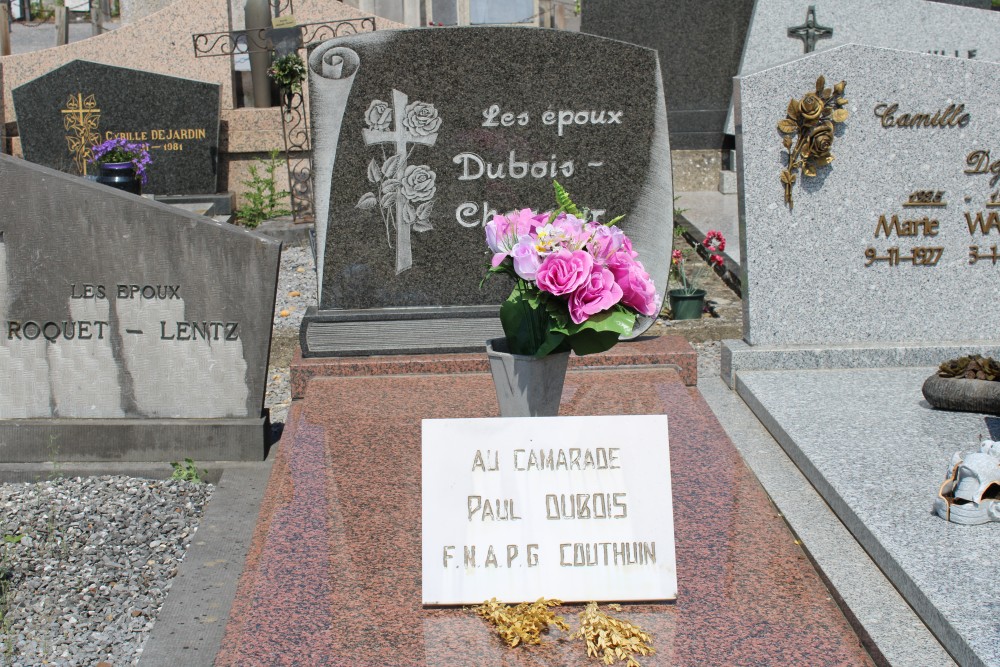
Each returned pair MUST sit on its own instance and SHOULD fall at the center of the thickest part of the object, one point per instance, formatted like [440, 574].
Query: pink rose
[638, 291]
[526, 258]
[563, 271]
[598, 293]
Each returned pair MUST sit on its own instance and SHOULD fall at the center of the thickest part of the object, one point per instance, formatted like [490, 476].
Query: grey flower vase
[526, 386]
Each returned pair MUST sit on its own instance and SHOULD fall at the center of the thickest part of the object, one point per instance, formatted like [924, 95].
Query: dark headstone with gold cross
[420, 137]
[63, 114]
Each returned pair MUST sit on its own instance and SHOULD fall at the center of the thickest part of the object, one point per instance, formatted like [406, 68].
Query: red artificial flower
[715, 241]
[677, 257]
[715, 260]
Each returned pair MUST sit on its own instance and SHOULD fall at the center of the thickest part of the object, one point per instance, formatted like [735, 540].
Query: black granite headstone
[65, 112]
[421, 136]
[131, 330]
[700, 43]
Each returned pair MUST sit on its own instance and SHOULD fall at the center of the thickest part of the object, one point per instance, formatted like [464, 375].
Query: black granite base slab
[80, 440]
[328, 333]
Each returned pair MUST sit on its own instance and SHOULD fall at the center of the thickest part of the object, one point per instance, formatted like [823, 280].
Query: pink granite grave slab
[334, 576]
[645, 351]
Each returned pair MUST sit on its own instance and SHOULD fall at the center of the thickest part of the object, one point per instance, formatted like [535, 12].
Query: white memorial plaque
[574, 508]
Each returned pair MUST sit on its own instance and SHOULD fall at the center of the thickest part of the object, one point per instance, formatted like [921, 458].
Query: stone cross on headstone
[402, 138]
[810, 31]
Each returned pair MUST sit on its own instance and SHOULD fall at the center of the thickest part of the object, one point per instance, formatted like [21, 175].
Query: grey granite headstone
[421, 136]
[699, 43]
[883, 265]
[894, 242]
[911, 25]
[65, 112]
[131, 330]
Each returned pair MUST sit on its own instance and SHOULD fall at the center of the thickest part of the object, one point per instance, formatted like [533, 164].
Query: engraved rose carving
[402, 194]
[808, 131]
[417, 184]
[379, 115]
[421, 118]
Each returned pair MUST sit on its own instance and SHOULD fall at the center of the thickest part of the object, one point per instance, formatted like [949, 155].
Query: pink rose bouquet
[579, 284]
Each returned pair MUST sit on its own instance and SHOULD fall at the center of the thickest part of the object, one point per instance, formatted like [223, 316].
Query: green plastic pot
[687, 305]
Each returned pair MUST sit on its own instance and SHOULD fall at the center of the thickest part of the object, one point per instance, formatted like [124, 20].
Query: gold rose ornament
[807, 131]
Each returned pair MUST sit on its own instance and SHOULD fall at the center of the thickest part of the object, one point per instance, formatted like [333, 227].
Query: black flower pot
[120, 175]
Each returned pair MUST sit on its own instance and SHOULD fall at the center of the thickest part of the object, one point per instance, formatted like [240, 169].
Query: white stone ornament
[970, 493]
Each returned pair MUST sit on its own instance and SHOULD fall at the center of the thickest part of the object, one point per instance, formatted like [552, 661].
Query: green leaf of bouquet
[524, 324]
[554, 342]
[592, 342]
[600, 332]
[562, 198]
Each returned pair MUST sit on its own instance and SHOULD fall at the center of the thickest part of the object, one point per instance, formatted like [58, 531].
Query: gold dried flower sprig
[523, 624]
[607, 638]
[812, 121]
[610, 639]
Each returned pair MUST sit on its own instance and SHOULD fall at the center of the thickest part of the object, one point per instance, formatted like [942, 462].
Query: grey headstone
[63, 113]
[910, 25]
[470, 78]
[699, 43]
[121, 314]
[828, 254]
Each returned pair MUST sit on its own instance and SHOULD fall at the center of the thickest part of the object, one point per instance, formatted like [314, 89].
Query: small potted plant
[288, 71]
[122, 164]
[688, 301]
[579, 286]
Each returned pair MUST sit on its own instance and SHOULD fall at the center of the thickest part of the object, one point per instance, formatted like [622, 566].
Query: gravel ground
[296, 290]
[85, 565]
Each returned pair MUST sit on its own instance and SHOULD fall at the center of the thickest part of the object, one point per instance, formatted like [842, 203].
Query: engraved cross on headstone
[402, 138]
[811, 31]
